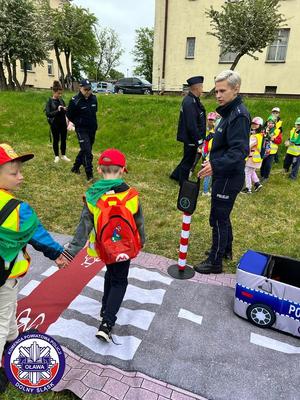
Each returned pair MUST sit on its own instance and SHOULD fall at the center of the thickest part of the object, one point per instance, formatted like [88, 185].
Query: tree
[245, 27]
[22, 37]
[143, 52]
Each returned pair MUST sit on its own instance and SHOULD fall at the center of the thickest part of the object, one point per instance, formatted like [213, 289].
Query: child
[100, 203]
[270, 146]
[19, 225]
[254, 159]
[278, 127]
[56, 114]
[292, 156]
[210, 129]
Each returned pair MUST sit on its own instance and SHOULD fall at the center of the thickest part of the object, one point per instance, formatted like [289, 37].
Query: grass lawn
[144, 127]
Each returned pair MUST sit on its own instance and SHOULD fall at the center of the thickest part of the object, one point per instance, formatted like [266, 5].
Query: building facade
[182, 48]
[42, 76]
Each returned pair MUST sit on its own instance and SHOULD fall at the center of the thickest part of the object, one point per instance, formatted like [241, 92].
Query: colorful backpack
[117, 237]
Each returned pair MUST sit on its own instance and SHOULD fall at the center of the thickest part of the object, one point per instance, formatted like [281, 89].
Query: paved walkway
[94, 381]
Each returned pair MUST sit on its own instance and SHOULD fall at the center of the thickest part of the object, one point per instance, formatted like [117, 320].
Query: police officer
[191, 128]
[82, 112]
[226, 165]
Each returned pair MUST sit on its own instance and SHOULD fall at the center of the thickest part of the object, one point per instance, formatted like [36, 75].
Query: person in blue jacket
[226, 165]
[82, 111]
[191, 128]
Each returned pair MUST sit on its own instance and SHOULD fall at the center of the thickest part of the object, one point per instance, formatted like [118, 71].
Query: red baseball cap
[7, 154]
[112, 157]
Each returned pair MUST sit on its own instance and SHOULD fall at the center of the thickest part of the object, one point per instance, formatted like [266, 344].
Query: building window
[190, 47]
[50, 67]
[227, 57]
[277, 50]
[29, 66]
[270, 89]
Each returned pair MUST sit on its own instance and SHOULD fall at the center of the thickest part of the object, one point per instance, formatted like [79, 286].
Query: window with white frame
[228, 57]
[50, 67]
[277, 50]
[190, 47]
[29, 66]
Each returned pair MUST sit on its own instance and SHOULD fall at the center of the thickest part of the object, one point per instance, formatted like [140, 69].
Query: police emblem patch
[34, 363]
[185, 203]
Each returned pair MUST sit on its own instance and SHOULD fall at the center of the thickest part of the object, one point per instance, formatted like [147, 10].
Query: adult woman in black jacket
[56, 115]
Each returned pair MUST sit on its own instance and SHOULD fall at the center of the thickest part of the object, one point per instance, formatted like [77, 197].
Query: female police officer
[226, 165]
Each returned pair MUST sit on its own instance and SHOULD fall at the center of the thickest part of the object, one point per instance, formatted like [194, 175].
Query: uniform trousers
[86, 139]
[8, 307]
[223, 194]
[182, 171]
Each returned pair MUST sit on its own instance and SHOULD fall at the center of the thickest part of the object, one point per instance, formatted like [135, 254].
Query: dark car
[133, 85]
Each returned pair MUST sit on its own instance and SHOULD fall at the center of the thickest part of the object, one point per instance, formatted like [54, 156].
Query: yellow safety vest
[132, 205]
[12, 222]
[256, 157]
[211, 140]
[293, 149]
[277, 131]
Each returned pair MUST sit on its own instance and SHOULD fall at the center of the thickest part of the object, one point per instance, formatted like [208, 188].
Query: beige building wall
[39, 76]
[186, 18]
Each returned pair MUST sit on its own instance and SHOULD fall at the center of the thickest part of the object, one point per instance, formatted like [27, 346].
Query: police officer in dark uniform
[191, 128]
[82, 112]
[226, 165]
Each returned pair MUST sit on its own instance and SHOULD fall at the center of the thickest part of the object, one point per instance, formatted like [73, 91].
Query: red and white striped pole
[180, 270]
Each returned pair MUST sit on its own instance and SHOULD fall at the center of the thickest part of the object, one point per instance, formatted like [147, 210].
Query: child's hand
[61, 262]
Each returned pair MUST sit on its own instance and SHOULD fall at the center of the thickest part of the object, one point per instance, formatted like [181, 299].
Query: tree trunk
[60, 67]
[25, 76]
[11, 84]
[3, 82]
[68, 76]
[233, 65]
[14, 71]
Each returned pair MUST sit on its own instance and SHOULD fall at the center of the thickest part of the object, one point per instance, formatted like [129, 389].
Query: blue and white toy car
[268, 291]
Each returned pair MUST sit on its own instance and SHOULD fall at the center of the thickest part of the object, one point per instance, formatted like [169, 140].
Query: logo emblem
[184, 203]
[122, 257]
[34, 363]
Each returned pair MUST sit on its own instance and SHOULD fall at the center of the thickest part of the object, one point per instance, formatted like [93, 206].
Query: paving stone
[132, 381]
[95, 395]
[181, 396]
[139, 374]
[93, 368]
[115, 388]
[159, 389]
[112, 373]
[75, 373]
[78, 388]
[187, 393]
[140, 394]
[94, 381]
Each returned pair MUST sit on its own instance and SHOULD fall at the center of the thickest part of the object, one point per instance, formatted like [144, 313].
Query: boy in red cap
[19, 225]
[113, 221]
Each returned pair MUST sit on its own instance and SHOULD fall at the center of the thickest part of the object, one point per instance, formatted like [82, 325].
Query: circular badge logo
[34, 363]
[184, 203]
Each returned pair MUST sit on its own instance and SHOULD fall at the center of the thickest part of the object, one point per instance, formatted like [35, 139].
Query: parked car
[133, 85]
[102, 87]
[267, 291]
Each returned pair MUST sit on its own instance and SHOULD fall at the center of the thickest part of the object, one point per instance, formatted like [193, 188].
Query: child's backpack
[117, 237]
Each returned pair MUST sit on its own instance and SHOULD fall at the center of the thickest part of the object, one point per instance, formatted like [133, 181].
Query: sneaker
[65, 158]
[206, 267]
[56, 159]
[75, 170]
[246, 191]
[3, 380]
[89, 178]
[257, 186]
[104, 332]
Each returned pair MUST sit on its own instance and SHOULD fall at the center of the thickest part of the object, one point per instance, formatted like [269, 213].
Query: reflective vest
[12, 222]
[293, 148]
[256, 157]
[277, 131]
[132, 205]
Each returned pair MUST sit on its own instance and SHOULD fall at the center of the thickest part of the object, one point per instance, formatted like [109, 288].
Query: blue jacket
[231, 140]
[41, 240]
[192, 120]
[82, 112]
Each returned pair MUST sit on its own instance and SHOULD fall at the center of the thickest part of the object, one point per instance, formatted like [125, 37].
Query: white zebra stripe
[145, 275]
[190, 316]
[27, 289]
[50, 271]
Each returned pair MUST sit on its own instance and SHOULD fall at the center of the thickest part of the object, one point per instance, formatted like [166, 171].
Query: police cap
[194, 80]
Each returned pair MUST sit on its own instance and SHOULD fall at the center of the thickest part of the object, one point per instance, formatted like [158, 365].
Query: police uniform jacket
[192, 120]
[82, 112]
[231, 140]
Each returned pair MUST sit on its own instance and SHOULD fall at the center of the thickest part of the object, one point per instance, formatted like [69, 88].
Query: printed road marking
[50, 271]
[273, 344]
[147, 275]
[190, 316]
[27, 289]
[152, 296]
[85, 334]
[138, 318]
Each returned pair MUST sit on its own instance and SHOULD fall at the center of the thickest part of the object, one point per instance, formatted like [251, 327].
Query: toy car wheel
[261, 315]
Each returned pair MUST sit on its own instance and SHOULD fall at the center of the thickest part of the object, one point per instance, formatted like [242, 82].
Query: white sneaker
[65, 158]
[56, 159]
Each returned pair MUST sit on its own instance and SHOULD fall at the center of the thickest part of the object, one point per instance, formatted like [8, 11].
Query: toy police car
[267, 291]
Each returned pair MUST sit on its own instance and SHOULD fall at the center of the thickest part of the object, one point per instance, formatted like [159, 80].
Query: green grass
[144, 127]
